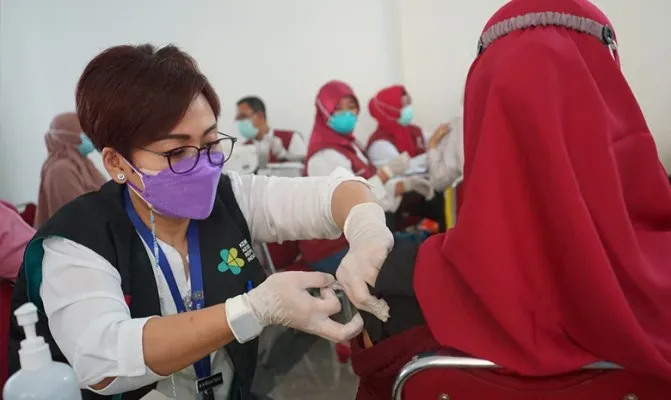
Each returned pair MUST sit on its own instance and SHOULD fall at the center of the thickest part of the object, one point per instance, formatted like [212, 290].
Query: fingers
[329, 303]
[336, 332]
[377, 307]
[358, 293]
[314, 279]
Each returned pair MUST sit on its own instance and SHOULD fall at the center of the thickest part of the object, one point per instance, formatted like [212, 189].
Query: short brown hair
[131, 96]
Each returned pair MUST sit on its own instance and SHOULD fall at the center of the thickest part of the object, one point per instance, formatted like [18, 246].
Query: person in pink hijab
[14, 236]
[67, 173]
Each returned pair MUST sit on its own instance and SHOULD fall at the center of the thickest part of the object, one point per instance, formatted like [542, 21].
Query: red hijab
[326, 102]
[562, 252]
[386, 107]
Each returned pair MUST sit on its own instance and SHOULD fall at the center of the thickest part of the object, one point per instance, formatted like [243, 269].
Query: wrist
[242, 320]
[363, 216]
[386, 173]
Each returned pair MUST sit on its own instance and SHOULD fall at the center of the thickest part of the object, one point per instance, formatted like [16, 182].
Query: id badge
[205, 387]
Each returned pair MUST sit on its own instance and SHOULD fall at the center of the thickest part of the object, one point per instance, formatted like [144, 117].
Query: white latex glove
[419, 185]
[283, 300]
[369, 244]
[277, 148]
[418, 164]
[397, 165]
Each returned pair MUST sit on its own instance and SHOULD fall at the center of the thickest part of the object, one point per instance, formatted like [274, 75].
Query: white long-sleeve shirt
[270, 143]
[382, 151]
[446, 162]
[325, 161]
[91, 322]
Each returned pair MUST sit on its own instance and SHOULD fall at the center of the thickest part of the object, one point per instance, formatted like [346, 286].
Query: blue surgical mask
[343, 122]
[86, 146]
[247, 129]
[406, 115]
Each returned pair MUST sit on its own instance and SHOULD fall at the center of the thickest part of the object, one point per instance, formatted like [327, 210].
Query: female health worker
[150, 283]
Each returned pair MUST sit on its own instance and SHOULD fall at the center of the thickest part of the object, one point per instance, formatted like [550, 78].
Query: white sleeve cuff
[242, 322]
[130, 349]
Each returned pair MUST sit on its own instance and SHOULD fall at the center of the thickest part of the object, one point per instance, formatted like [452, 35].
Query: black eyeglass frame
[207, 146]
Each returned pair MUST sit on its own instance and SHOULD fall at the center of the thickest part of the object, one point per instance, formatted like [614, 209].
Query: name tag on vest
[210, 382]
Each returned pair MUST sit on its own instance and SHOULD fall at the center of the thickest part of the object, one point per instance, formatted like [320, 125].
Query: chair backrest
[28, 212]
[455, 373]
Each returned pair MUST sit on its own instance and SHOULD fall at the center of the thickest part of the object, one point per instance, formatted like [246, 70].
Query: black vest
[99, 221]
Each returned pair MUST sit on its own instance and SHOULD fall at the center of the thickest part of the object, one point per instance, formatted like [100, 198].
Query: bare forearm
[173, 342]
[347, 195]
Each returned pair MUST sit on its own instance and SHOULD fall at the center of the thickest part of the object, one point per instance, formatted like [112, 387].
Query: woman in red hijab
[392, 108]
[562, 253]
[333, 145]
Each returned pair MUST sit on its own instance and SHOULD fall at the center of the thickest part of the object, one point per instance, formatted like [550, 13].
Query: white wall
[283, 51]
[439, 40]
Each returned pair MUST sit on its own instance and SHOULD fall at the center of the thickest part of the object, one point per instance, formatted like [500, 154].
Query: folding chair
[441, 376]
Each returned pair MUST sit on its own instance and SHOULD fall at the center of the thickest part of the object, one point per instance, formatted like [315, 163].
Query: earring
[121, 176]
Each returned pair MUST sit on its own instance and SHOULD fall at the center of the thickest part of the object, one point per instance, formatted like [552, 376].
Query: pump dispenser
[40, 378]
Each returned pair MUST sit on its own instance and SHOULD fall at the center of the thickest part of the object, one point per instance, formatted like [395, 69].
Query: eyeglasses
[185, 158]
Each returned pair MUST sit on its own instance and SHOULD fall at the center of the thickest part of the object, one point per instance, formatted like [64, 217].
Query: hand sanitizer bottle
[40, 378]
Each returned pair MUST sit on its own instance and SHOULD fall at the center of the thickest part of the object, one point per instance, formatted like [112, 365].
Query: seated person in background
[272, 145]
[392, 109]
[332, 145]
[561, 256]
[15, 234]
[67, 173]
[446, 154]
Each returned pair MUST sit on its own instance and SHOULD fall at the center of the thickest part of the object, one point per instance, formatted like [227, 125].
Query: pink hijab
[14, 237]
[66, 174]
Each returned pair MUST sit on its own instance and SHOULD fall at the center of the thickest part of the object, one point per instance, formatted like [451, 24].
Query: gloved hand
[397, 165]
[419, 185]
[283, 300]
[370, 241]
[277, 148]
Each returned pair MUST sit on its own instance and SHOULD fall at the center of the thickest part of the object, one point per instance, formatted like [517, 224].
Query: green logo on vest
[230, 261]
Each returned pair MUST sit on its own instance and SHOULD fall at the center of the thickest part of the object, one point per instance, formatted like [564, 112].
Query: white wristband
[241, 319]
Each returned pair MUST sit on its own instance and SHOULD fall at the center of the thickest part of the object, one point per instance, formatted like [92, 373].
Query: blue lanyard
[202, 367]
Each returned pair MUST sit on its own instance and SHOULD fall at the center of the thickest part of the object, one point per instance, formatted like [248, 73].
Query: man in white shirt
[272, 145]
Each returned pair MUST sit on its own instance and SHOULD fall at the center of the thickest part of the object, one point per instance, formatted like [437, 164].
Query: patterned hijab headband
[585, 25]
